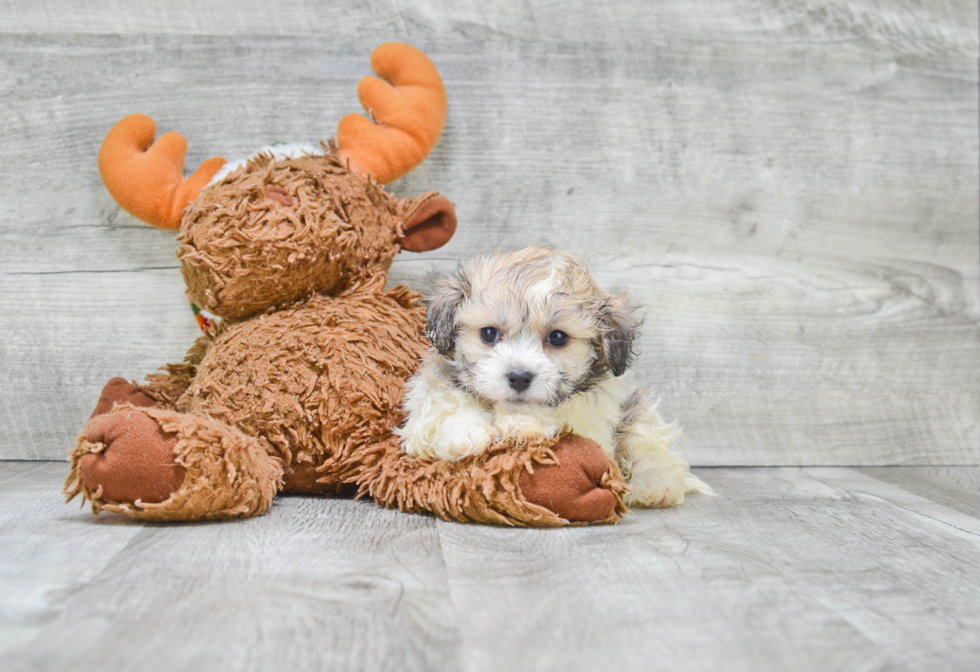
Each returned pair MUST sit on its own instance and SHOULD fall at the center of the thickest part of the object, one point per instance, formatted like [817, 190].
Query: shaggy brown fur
[485, 488]
[316, 378]
[242, 249]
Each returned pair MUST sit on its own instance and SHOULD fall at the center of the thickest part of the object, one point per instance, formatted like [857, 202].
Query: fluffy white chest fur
[447, 423]
[525, 344]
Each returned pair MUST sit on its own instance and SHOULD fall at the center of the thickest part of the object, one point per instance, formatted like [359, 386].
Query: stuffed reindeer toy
[299, 387]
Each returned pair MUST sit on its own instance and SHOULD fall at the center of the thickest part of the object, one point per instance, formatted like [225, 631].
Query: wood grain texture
[954, 487]
[317, 584]
[789, 568]
[789, 190]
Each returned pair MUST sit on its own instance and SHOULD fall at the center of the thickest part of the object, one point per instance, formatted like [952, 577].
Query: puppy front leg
[468, 431]
[443, 422]
[524, 424]
[656, 476]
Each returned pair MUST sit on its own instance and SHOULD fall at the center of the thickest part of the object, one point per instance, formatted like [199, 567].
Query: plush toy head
[277, 230]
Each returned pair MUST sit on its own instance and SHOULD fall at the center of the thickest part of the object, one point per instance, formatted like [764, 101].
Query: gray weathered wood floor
[789, 569]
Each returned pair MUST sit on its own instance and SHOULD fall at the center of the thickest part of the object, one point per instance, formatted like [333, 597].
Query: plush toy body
[300, 387]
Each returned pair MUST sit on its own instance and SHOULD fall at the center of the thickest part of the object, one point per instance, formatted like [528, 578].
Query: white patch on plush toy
[527, 345]
[279, 151]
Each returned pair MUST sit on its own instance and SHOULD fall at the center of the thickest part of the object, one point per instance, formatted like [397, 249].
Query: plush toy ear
[619, 330]
[429, 224]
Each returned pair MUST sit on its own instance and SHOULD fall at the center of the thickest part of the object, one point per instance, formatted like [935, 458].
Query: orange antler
[147, 178]
[409, 109]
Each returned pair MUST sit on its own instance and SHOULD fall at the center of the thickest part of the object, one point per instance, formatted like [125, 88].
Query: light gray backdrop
[788, 189]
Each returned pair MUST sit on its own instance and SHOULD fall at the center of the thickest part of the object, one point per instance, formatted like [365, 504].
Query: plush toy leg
[547, 483]
[582, 485]
[156, 464]
[120, 391]
[167, 388]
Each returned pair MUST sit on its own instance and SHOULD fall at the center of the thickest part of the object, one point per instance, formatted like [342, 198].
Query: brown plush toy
[299, 387]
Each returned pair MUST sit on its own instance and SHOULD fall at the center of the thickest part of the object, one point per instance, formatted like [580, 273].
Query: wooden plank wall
[789, 190]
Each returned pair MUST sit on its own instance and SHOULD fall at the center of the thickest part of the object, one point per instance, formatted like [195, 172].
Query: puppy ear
[441, 306]
[619, 330]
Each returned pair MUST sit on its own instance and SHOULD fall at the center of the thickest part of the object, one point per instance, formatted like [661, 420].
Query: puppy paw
[457, 436]
[651, 490]
[463, 436]
[574, 488]
[659, 486]
[519, 426]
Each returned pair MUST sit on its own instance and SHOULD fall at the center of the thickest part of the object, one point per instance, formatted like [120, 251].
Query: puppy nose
[520, 380]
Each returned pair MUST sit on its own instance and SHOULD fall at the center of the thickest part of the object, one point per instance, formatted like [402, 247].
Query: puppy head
[528, 327]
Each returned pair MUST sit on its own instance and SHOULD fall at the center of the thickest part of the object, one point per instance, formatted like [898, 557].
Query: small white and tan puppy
[527, 344]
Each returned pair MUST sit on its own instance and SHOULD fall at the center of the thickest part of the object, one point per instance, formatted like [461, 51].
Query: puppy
[527, 344]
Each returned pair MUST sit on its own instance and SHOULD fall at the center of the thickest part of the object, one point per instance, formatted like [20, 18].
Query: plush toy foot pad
[120, 391]
[572, 488]
[137, 461]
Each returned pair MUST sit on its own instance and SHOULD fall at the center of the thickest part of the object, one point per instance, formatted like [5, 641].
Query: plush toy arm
[146, 178]
[166, 388]
[545, 483]
[408, 109]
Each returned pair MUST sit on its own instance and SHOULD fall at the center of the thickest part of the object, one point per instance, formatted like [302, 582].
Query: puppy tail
[694, 484]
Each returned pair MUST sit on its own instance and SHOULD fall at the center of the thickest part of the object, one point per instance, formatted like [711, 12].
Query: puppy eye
[557, 338]
[490, 335]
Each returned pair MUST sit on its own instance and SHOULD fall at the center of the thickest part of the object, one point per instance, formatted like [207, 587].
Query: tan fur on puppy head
[526, 295]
